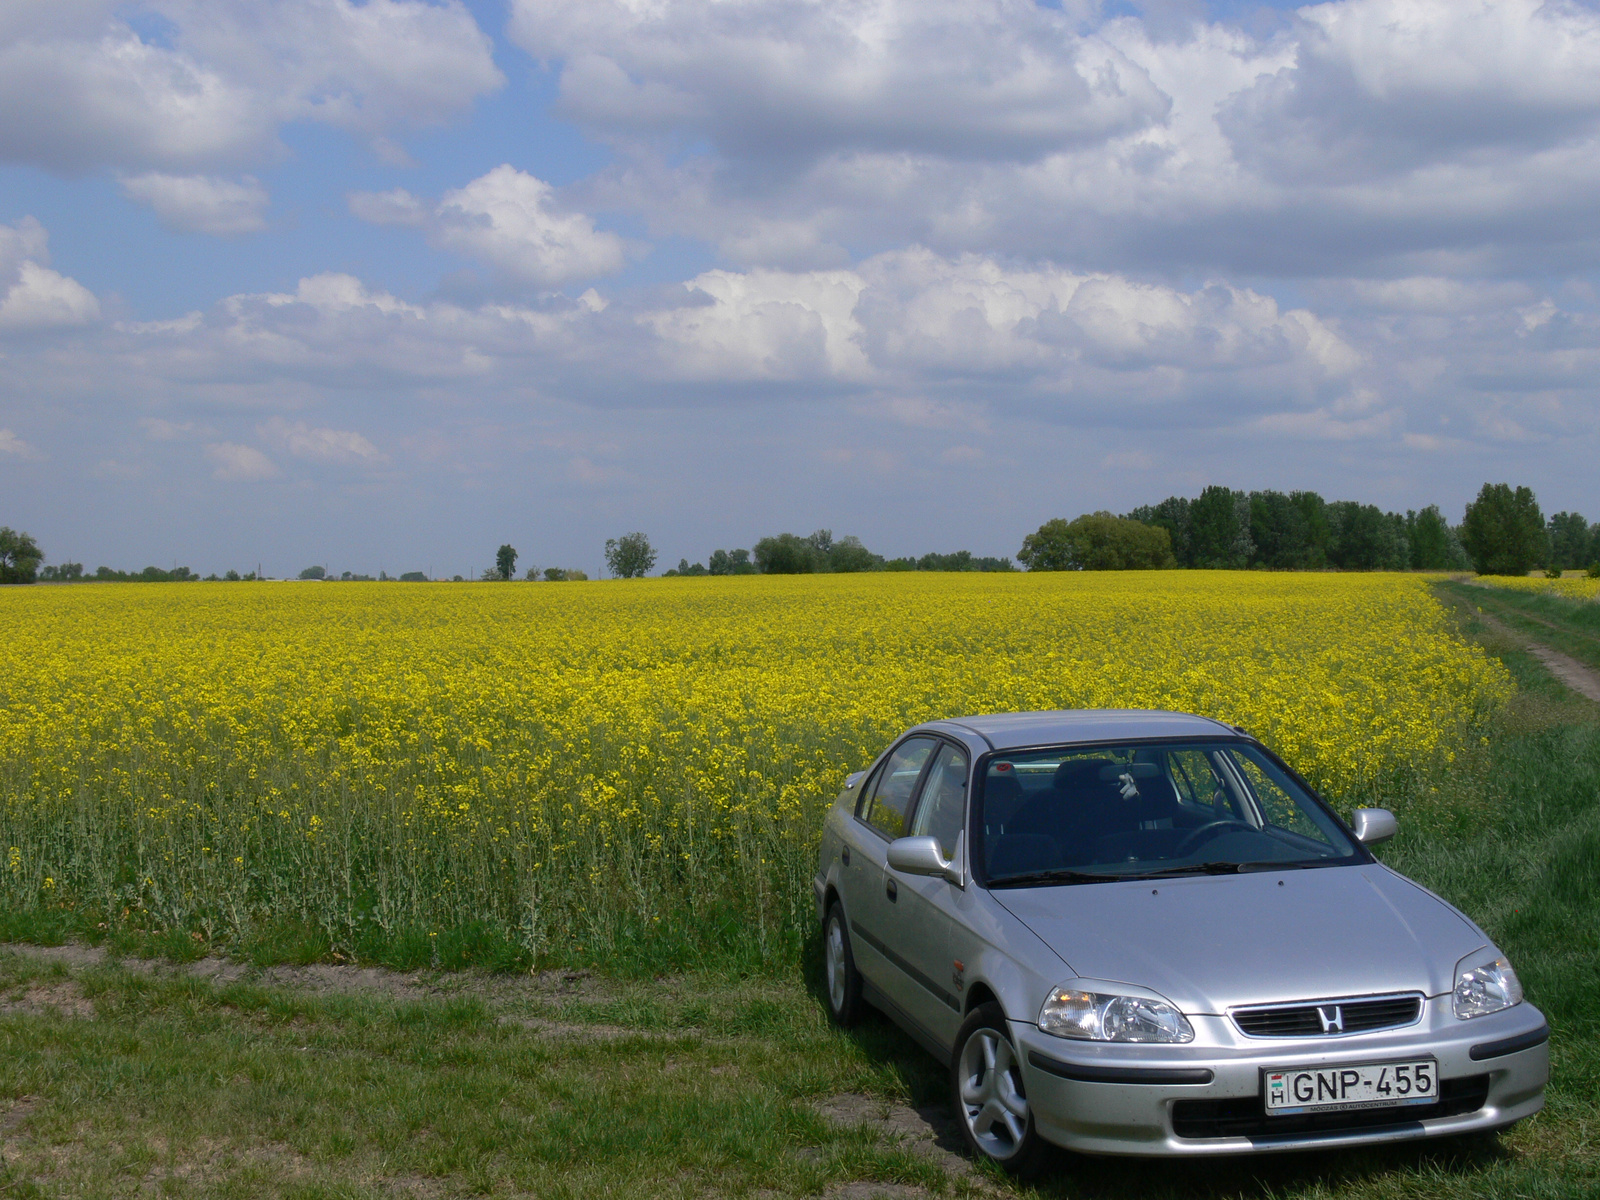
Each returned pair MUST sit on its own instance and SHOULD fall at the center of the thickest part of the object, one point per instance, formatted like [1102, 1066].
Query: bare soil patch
[61, 997]
[1580, 678]
[929, 1130]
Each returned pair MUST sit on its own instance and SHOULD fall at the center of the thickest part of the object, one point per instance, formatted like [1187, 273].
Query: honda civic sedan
[1142, 933]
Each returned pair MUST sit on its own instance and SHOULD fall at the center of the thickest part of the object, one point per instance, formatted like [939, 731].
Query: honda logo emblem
[1332, 1017]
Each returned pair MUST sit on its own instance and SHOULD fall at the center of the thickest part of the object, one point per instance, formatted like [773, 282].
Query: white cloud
[766, 325]
[201, 203]
[505, 218]
[81, 88]
[333, 446]
[158, 429]
[1432, 294]
[1368, 137]
[240, 464]
[11, 444]
[398, 207]
[787, 79]
[909, 334]
[32, 296]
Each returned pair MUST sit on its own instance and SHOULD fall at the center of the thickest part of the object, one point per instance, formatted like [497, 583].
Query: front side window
[943, 806]
[893, 786]
[1108, 812]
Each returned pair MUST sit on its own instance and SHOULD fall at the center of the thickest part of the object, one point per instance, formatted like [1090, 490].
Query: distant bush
[1504, 531]
[1097, 542]
[414, 577]
[730, 562]
[20, 556]
[629, 557]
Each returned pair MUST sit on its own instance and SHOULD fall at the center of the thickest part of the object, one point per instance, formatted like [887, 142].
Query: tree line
[820, 553]
[1502, 532]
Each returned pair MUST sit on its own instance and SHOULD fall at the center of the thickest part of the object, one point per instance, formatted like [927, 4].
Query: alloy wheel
[836, 964]
[992, 1102]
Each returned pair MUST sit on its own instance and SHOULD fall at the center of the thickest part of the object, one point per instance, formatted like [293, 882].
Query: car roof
[1010, 731]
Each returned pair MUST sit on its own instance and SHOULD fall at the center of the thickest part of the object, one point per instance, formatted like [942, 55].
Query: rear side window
[943, 806]
[894, 785]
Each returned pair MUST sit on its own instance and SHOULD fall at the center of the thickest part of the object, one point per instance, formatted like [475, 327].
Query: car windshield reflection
[1111, 813]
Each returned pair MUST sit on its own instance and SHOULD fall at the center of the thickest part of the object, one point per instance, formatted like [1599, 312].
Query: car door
[870, 896]
[918, 928]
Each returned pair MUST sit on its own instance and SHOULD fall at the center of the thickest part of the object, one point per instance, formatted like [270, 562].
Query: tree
[1219, 529]
[1365, 538]
[1289, 533]
[1504, 531]
[848, 556]
[414, 577]
[505, 560]
[1172, 514]
[314, 573]
[730, 562]
[786, 554]
[1569, 541]
[1434, 545]
[532, 574]
[1097, 542]
[1049, 547]
[20, 556]
[629, 556]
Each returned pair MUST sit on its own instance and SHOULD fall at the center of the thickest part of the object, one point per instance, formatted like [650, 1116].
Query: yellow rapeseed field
[572, 769]
[1574, 587]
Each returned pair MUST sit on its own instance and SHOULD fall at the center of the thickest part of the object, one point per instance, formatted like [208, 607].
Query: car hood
[1210, 942]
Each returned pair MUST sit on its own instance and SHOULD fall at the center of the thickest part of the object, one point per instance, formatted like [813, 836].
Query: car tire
[841, 980]
[986, 1090]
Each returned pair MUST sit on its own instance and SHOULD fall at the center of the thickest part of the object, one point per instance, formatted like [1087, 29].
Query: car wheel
[987, 1089]
[843, 980]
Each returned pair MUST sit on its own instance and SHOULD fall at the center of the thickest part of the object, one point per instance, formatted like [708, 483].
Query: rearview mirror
[1371, 826]
[921, 856]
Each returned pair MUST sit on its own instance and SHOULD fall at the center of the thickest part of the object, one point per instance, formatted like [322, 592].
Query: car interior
[1139, 806]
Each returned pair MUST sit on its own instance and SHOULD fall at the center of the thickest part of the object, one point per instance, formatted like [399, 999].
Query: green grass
[1569, 625]
[121, 1078]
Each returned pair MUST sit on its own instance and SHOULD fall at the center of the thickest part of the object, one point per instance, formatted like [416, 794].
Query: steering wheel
[1193, 838]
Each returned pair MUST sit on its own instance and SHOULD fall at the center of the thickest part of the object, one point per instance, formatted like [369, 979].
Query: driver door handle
[892, 890]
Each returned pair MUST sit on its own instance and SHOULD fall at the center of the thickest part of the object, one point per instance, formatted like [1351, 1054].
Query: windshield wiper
[1205, 868]
[1058, 875]
[1222, 868]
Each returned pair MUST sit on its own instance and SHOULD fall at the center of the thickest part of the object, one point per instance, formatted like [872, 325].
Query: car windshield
[1091, 814]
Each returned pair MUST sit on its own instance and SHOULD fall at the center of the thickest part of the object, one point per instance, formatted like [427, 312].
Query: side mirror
[1371, 826]
[921, 856]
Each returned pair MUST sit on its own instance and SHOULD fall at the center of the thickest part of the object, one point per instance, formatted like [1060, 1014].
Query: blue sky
[382, 285]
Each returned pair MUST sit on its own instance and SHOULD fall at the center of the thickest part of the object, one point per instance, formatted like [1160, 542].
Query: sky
[383, 285]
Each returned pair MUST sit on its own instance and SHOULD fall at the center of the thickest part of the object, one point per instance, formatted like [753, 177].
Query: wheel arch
[978, 994]
[830, 897]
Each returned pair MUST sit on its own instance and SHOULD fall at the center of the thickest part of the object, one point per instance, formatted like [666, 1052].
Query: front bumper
[1205, 1097]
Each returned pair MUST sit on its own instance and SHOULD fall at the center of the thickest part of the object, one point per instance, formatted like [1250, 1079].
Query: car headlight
[1102, 1017]
[1485, 983]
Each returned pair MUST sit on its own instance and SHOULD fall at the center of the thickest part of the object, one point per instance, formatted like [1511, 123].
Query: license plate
[1290, 1091]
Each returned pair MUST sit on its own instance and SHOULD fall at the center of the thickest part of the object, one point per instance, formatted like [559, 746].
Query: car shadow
[1089, 1177]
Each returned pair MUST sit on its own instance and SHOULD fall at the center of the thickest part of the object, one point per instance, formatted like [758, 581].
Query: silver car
[1142, 933]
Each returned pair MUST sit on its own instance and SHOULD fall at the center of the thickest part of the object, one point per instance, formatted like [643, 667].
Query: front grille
[1330, 1017]
[1247, 1116]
